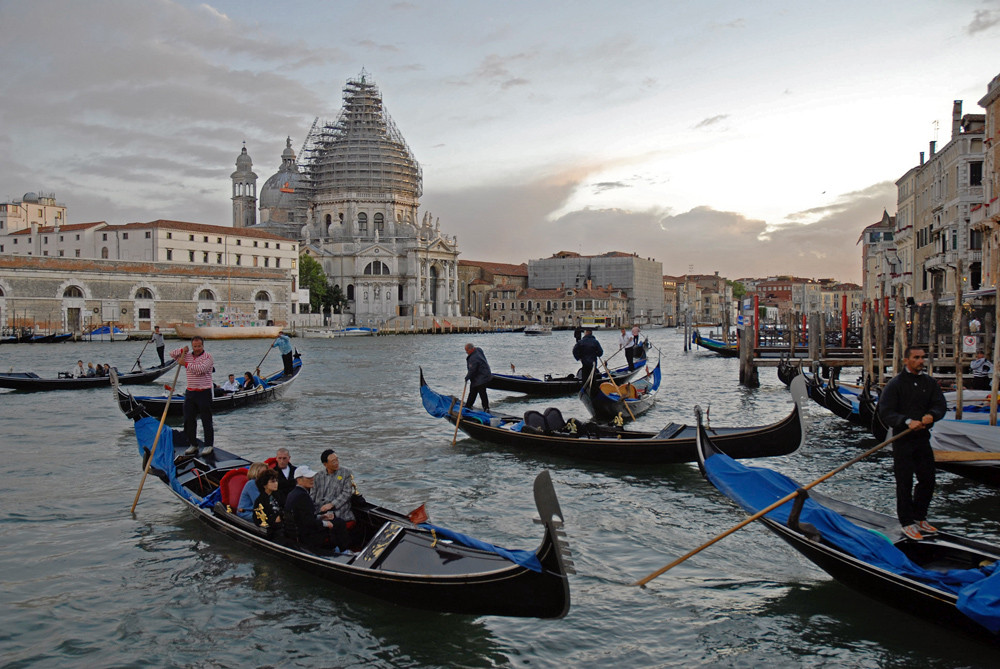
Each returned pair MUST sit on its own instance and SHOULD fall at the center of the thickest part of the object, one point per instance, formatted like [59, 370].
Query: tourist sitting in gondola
[266, 509]
[304, 524]
[333, 490]
[91, 372]
[251, 381]
[248, 497]
[232, 385]
[80, 371]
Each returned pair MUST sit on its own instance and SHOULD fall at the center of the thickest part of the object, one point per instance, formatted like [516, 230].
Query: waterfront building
[985, 215]
[560, 307]
[670, 300]
[641, 279]
[39, 209]
[477, 278]
[880, 260]
[705, 298]
[352, 200]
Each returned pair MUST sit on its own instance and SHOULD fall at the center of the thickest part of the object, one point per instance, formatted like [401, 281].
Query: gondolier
[982, 370]
[913, 400]
[285, 346]
[158, 343]
[478, 376]
[587, 351]
[198, 365]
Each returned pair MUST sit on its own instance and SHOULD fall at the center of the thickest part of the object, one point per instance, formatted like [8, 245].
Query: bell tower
[244, 191]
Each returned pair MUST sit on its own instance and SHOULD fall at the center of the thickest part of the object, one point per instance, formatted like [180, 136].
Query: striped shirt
[199, 370]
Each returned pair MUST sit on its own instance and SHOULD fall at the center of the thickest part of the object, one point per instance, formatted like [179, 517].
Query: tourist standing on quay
[478, 376]
[913, 400]
[198, 365]
[158, 343]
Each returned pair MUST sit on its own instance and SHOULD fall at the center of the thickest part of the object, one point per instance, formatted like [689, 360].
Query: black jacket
[285, 485]
[909, 397]
[479, 370]
[300, 518]
[588, 350]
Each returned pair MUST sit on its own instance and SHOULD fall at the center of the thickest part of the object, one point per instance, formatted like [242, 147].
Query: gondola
[787, 371]
[555, 386]
[844, 400]
[604, 401]
[868, 551]
[274, 387]
[715, 346]
[31, 382]
[393, 559]
[548, 433]
[970, 439]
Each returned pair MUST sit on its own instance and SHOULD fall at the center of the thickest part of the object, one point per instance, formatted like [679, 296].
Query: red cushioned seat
[232, 486]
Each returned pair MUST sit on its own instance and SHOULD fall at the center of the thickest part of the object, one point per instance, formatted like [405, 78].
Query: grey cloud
[712, 120]
[982, 20]
[609, 185]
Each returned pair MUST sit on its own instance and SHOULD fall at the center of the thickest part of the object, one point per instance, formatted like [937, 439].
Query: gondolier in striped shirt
[198, 366]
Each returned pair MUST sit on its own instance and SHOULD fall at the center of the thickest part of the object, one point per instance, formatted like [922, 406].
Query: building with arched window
[352, 200]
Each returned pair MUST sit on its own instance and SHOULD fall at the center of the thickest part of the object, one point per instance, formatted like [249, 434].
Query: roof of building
[201, 227]
[48, 229]
[563, 293]
[497, 267]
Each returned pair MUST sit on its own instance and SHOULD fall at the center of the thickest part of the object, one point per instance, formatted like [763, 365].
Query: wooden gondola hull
[395, 560]
[725, 350]
[220, 404]
[31, 383]
[554, 386]
[605, 407]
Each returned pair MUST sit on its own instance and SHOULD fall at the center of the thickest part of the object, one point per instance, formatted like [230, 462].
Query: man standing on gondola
[913, 400]
[587, 351]
[285, 346]
[198, 365]
[478, 376]
[158, 343]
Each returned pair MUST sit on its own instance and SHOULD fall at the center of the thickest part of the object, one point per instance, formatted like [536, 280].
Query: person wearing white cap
[304, 522]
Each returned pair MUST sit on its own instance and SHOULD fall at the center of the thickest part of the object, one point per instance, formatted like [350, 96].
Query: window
[238, 258]
[266, 261]
[277, 262]
[170, 235]
[976, 173]
[205, 239]
[238, 242]
[206, 294]
[380, 222]
[218, 258]
[255, 243]
[170, 254]
[45, 253]
[363, 222]
[124, 235]
[73, 291]
[77, 252]
[104, 252]
[148, 234]
[191, 256]
[204, 256]
[277, 245]
[190, 238]
[61, 253]
[267, 245]
[218, 240]
[376, 267]
[45, 239]
[262, 297]
[145, 314]
[78, 238]
[104, 236]
[144, 294]
[60, 238]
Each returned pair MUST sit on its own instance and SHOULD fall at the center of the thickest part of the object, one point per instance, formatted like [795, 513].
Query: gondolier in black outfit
[479, 375]
[913, 400]
[587, 351]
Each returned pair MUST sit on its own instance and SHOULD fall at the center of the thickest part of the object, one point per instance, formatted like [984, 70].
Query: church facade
[352, 200]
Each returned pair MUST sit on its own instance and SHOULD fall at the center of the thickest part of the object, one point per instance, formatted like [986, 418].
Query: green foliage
[312, 276]
[337, 299]
[739, 290]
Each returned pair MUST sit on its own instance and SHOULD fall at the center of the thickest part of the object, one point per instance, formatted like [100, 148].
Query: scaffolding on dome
[362, 151]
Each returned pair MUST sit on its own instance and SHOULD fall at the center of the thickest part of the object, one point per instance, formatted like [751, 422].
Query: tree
[312, 276]
[337, 299]
[739, 290]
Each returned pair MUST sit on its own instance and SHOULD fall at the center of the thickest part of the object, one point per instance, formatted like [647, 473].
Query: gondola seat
[554, 421]
[534, 422]
[231, 486]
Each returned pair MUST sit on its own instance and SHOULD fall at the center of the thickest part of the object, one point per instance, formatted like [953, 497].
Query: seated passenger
[244, 508]
[251, 381]
[266, 507]
[231, 386]
[303, 522]
[91, 372]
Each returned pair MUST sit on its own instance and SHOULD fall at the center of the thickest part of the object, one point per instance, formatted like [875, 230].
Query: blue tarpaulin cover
[163, 458]
[437, 406]
[755, 488]
[526, 559]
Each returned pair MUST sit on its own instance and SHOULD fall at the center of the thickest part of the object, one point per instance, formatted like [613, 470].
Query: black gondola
[555, 386]
[787, 371]
[548, 433]
[606, 402]
[866, 550]
[274, 387]
[31, 382]
[716, 346]
[845, 403]
[393, 559]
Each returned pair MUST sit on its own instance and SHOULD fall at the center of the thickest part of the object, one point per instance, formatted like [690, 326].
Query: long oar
[617, 389]
[140, 353]
[257, 371]
[762, 512]
[156, 440]
[458, 420]
[963, 456]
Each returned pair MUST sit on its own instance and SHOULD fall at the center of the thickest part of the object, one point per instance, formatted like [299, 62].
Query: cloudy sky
[745, 138]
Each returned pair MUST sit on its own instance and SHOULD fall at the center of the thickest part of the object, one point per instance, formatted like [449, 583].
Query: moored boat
[537, 330]
[31, 382]
[610, 401]
[549, 433]
[275, 385]
[392, 558]
[716, 346]
[553, 386]
[105, 333]
[948, 579]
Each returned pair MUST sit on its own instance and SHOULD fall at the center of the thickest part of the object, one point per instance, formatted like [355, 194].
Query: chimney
[921, 157]
[933, 148]
[956, 119]
[589, 284]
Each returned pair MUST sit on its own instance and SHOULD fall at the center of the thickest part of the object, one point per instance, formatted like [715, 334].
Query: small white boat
[537, 329]
[105, 333]
[343, 332]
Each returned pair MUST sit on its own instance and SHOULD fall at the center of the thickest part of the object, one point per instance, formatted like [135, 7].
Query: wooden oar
[257, 371]
[156, 440]
[963, 456]
[762, 512]
[458, 420]
[617, 389]
[140, 353]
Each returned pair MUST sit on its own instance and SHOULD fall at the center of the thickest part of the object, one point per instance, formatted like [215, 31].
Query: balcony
[941, 261]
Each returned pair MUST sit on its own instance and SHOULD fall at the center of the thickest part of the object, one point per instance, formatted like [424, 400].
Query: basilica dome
[285, 189]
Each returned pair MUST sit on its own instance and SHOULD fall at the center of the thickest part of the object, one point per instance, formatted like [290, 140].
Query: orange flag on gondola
[419, 515]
